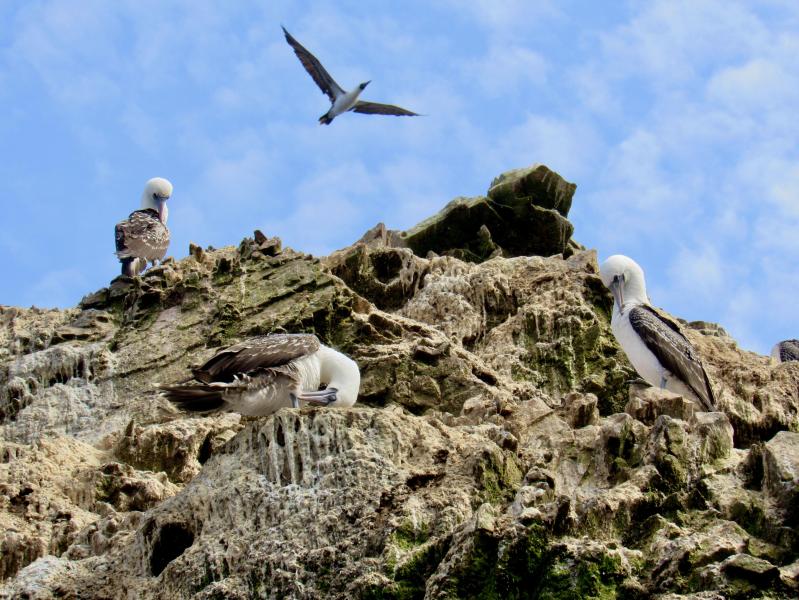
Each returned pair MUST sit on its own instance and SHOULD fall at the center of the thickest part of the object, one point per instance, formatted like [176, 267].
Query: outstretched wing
[141, 235]
[315, 69]
[375, 108]
[663, 338]
[256, 353]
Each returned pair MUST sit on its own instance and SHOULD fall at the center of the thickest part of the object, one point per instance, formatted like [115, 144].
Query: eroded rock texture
[500, 448]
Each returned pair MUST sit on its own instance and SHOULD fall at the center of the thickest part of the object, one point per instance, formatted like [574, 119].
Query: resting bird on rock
[785, 351]
[657, 349]
[143, 237]
[263, 374]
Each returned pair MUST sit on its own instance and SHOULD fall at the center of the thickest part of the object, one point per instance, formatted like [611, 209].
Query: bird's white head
[156, 192]
[625, 279]
[341, 373]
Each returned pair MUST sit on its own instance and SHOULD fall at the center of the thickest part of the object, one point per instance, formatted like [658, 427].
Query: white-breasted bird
[144, 237]
[654, 344]
[341, 100]
[263, 374]
[785, 351]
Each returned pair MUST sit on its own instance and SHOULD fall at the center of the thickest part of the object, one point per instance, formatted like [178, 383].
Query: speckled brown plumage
[256, 353]
[142, 236]
[260, 372]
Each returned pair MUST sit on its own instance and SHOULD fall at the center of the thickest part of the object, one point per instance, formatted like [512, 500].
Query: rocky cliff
[500, 447]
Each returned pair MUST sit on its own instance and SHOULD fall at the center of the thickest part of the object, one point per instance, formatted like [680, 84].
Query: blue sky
[676, 119]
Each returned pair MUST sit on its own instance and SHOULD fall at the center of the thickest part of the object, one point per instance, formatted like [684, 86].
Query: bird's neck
[338, 370]
[148, 202]
[634, 295]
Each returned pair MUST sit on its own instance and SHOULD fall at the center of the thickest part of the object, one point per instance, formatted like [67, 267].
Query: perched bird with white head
[785, 351]
[143, 237]
[263, 374]
[654, 344]
[341, 100]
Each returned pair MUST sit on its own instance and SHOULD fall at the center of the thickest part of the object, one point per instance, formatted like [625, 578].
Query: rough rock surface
[498, 450]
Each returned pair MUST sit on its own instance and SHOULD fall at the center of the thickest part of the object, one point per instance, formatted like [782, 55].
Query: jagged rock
[781, 472]
[62, 389]
[178, 448]
[537, 185]
[25, 330]
[580, 410]
[268, 246]
[790, 576]
[497, 450]
[755, 570]
[475, 229]
[51, 491]
[647, 403]
[388, 277]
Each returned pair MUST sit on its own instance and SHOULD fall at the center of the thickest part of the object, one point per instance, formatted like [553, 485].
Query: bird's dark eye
[155, 196]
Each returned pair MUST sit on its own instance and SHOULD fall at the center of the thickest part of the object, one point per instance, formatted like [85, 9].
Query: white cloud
[758, 84]
[700, 271]
[506, 69]
[507, 15]
[569, 147]
[672, 42]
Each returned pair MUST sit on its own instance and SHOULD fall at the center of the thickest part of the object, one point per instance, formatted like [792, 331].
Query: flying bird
[263, 374]
[656, 347]
[785, 351]
[341, 101]
[143, 236]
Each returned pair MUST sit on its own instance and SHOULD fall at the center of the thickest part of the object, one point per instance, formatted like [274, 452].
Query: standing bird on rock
[657, 349]
[263, 374]
[785, 351]
[143, 236]
[342, 101]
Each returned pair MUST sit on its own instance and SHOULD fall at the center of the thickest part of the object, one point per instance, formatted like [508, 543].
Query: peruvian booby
[144, 236]
[341, 101]
[785, 351]
[656, 347]
[263, 374]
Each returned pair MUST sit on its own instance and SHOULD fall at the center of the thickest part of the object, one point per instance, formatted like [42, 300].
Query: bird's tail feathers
[194, 398]
[325, 119]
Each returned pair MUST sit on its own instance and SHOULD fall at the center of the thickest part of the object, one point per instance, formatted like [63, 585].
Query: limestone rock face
[498, 449]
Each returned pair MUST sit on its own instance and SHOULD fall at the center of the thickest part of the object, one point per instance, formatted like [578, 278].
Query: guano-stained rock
[499, 448]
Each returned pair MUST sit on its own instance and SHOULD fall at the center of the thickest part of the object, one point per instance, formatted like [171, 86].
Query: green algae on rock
[498, 448]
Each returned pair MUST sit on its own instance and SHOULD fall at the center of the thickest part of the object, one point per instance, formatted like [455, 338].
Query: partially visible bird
[785, 351]
[656, 347]
[263, 374]
[341, 101]
[143, 237]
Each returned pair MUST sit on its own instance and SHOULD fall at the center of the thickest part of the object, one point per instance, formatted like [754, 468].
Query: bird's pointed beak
[367, 83]
[161, 203]
[617, 289]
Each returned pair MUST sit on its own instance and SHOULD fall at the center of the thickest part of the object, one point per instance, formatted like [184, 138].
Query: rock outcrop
[500, 448]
